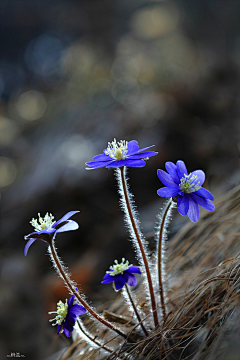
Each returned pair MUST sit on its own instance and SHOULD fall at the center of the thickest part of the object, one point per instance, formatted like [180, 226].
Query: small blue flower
[67, 314]
[121, 154]
[121, 274]
[187, 188]
[47, 229]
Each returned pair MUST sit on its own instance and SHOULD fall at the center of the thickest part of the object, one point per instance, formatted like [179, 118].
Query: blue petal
[65, 217]
[107, 274]
[193, 212]
[146, 148]
[181, 169]
[27, 246]
[77, 309]
[97, 164]
[59, 329]
[70, 321]
[116, 163]
[31, 235]
[107, 279]
[134, 269]
[130, 279]
[46, 231]
[205, 203]
[119, 281]
[168, 192]
[200, 176]
[172, 170]
[44, 235]
[183, 204]
[166, 179]
[126, 162]
[134, 163]
[102, 157]
[143, 155]
[67, 332]
[70, 225]
[70, 301]
[132, 147]
[204, 193]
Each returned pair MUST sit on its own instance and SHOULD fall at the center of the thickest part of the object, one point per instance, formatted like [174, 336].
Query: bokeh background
[73, 76]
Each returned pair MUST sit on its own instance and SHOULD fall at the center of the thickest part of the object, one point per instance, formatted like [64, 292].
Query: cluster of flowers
[183, 187]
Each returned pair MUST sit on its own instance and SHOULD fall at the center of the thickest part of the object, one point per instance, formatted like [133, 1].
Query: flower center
[44, 223]
[118, 268]
[117, 150]
[189, 183]
[62, 310]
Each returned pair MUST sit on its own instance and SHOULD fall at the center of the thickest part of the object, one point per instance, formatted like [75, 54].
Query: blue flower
[187, 188]
[67, 314]
[47, 229]
[121, 154]
[121, 274]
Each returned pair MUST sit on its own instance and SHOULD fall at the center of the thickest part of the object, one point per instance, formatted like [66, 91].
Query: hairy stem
[139, 242]
[162, 229]
[71, 287]
[93, 339]
[135, 310]
[95, 343]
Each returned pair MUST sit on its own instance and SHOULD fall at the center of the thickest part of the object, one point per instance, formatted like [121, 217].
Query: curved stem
[135, 310]
[93, 339]
[73, 290]
[160, 263]
[138, 238]
[98, 343]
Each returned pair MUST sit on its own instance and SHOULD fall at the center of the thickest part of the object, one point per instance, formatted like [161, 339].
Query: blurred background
[73, 76]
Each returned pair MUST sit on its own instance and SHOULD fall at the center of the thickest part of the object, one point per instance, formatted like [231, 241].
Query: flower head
[67, 314]
[46, 229]
[121, 274]
[120, 154]
[187, 188]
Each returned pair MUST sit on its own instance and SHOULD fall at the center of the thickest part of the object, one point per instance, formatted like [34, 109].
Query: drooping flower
[67, 314]
[120, 154]
[47, 229]
[120, 274]
[187, 188]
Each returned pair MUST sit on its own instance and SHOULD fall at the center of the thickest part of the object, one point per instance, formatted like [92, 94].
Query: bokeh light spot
[154, 21]
[75, 151]
[78, 60]
[31, 105]
[43, 56]
[8, 171]
[8, 131]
